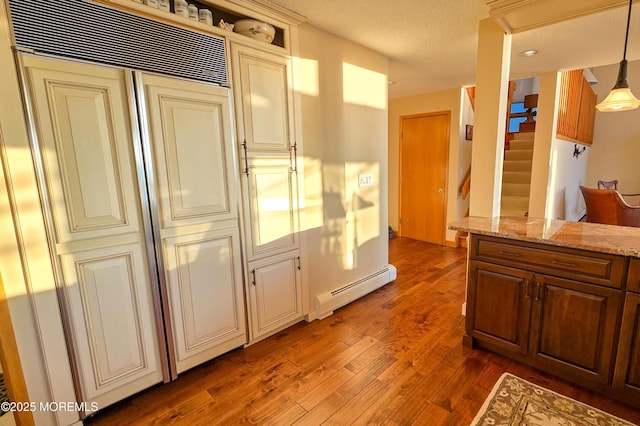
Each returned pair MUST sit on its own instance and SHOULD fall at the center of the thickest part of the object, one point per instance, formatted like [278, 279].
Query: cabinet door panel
[189, 125]
[275, 292]
[205, 287]
[573, 326]
[110, 306]
[627, 373]
[498, 305]
[85, 139]
[263, 99]
[272, 219]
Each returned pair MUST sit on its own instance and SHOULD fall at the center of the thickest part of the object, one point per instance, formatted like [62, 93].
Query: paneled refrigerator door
[86, 163]
[189, 156]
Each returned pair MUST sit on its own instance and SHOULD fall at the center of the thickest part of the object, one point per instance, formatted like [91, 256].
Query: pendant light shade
[620, 98]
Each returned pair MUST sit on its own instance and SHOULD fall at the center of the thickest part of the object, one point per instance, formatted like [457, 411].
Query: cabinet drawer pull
[253, 275]
[246, 159]
[527, 288]
[510, 253]
[569, 264]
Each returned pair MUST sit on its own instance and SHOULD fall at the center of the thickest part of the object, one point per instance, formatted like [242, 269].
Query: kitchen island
[561, 296]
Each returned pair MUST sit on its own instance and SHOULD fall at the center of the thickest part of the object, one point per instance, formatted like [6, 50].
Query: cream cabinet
[275, 294]
[271, 213]
[262, 90]
[269, 181]
[90, 189]
[187, 135]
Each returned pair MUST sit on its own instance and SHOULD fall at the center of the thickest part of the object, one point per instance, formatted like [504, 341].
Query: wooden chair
[607, 206]
[608, 184]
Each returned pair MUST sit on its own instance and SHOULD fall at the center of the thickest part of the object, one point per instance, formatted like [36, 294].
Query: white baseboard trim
[327, 302]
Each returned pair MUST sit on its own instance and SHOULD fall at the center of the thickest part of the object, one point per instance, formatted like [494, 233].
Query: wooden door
[423, 176]
[275, 294]
[573, 328]
[189, 139]
[499, 306]
[91, 195]
[264, 99]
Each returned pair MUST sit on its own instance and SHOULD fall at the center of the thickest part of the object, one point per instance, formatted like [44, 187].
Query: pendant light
[620, 98]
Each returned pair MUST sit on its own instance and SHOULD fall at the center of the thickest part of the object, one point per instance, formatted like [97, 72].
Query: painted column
[540, 204]
[492, 82]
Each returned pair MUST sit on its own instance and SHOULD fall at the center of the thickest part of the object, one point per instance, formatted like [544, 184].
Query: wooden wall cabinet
[554, 308]
[576, 109]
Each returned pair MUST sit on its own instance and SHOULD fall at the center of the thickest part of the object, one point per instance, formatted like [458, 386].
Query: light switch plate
[365, 179]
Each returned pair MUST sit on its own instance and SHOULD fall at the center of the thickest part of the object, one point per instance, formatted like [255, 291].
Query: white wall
[616, 141]
[343, 92]
[567, 173]
[456, 101]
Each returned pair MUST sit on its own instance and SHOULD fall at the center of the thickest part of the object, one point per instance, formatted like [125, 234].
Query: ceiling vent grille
[89, 31]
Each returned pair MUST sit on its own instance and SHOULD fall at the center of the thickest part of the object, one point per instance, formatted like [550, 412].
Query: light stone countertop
[620, 240]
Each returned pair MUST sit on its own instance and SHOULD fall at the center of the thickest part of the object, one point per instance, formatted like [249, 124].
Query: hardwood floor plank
[349, 413]
[394, 358]
[322, 411]
[324, 389]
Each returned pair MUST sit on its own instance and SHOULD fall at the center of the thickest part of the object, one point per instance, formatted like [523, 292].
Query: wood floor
[394, 357]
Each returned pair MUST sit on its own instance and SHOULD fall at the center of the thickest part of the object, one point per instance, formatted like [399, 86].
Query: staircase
[516, 176]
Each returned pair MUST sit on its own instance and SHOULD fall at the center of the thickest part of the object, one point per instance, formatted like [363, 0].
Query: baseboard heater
[328, 301]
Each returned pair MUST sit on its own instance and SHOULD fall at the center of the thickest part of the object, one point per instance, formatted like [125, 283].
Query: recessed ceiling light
[392, 82]
[531, 52]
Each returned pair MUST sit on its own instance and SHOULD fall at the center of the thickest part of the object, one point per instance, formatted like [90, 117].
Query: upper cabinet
[576, 109]
[263, 99]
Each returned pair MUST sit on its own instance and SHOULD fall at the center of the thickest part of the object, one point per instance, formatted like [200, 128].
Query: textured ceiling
[432, 44]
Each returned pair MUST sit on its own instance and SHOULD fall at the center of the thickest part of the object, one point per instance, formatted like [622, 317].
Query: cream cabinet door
[271, 210]
[91, 194]
[275, 293]
[188, 137]
[263, 99]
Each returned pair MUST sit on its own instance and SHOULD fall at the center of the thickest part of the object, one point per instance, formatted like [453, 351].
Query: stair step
[517, 166]
[520, 144]
[524, 135]
[519, 213]
[518, 155]
[516, 189]
[513, 203]
[516, 177]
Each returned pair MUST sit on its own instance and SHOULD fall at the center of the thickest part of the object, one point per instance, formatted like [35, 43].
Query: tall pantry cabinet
[269, 168]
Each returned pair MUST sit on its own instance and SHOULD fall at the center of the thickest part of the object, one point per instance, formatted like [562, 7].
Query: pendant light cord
[626, 39]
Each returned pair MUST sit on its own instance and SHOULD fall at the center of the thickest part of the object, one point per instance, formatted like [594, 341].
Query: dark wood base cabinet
[626, 381]
[565, 311]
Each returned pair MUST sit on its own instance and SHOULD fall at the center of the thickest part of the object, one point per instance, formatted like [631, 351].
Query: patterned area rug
[514, 401]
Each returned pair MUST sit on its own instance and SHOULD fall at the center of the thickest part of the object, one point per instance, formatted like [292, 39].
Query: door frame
[446, 168]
